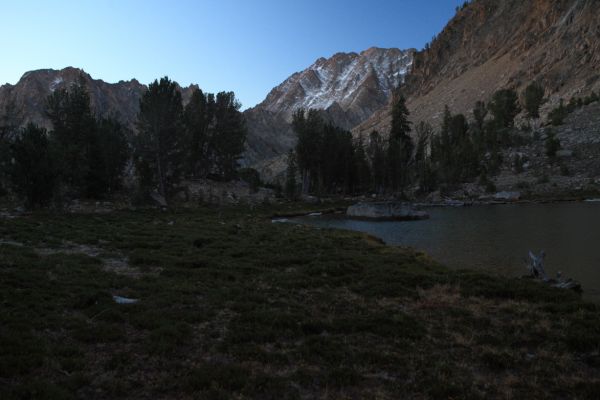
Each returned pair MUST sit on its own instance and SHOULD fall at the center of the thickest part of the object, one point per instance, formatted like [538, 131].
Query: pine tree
[401, 126]
[91, 153]
[228, 136]
[504, 108]
[552, 145]
[424, 168]
[361, 165]
[198, 117]
[454, 151]
[108, 156]
[533, 98]
[441, 149]
[290, 176]
[309, 127]
[346, 167]
[478, 128]
[251, 177]
[4, 164]
[8, 130]
[34, 172]
[400, 146]
[464, 153]
[557, 116]
[376, 153]
[74, 127]
[159, 151]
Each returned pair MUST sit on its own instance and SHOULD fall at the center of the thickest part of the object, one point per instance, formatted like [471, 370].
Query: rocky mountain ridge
[27, 98]
[360, 82]
[491, 44]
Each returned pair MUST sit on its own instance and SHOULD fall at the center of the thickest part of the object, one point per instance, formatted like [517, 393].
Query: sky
[247, 46]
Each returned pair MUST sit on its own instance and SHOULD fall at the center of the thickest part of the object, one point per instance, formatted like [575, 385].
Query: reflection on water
[497, 238]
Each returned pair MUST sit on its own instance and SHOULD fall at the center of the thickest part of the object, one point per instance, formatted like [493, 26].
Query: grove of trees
[82, 156]
[330, 161]
[85, 156]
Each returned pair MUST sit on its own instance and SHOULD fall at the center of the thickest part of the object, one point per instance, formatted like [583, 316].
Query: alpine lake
[498, 238]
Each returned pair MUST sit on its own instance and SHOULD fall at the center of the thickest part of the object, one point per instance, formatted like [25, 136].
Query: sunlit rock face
[491, 45]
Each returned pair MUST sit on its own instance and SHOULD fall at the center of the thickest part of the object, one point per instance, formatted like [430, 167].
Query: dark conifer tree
[552, 145]
[465, 158]
[291, 186]
[329, 163]
[376, 153]
[108, 156]
[8, 130]
[74, 127]
[480, 111]
[425, 173]
[400, 146]
[308, 127]
[504, 108]
[34, 171]
[441, 149]
[159, 148]
[346, 162]
[454, 152]
[91, 153]
[362, 167]
[533, 98]
[199, 115]
[228, 135]
[557, 115]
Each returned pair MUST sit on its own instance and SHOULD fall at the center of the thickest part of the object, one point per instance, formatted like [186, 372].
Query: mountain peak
[375, 50]
[338, 79]
[45, 72]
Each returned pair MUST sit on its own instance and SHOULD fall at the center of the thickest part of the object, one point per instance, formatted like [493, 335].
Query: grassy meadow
[233, 306]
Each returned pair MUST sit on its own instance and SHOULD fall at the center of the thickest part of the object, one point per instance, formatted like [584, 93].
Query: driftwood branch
[536, 270]
[536, 265]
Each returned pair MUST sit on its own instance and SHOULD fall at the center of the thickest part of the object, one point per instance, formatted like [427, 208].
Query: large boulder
[385, 211]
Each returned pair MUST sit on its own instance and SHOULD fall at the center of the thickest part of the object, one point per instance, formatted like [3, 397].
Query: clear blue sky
[247, 46]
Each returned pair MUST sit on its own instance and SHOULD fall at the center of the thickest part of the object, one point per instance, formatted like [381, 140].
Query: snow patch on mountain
[54, 84]
[340, 79]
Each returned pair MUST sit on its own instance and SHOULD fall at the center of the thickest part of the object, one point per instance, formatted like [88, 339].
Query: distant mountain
[492, 44]
[348, 88]
[28, 96]
[356, 83]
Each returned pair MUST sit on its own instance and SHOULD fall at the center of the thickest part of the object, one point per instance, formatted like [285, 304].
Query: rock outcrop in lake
[385, 211]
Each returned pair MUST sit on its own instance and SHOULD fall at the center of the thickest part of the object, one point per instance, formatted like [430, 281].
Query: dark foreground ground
[233, 306]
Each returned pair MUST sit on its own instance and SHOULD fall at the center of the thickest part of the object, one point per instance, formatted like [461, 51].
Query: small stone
[124, 300]
[507, 196]
[564, 153]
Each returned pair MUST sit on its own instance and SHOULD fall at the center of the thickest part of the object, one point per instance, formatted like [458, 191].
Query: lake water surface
[497, 238]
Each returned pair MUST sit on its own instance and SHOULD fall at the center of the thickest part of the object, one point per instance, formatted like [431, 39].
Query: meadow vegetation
[232, 305]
